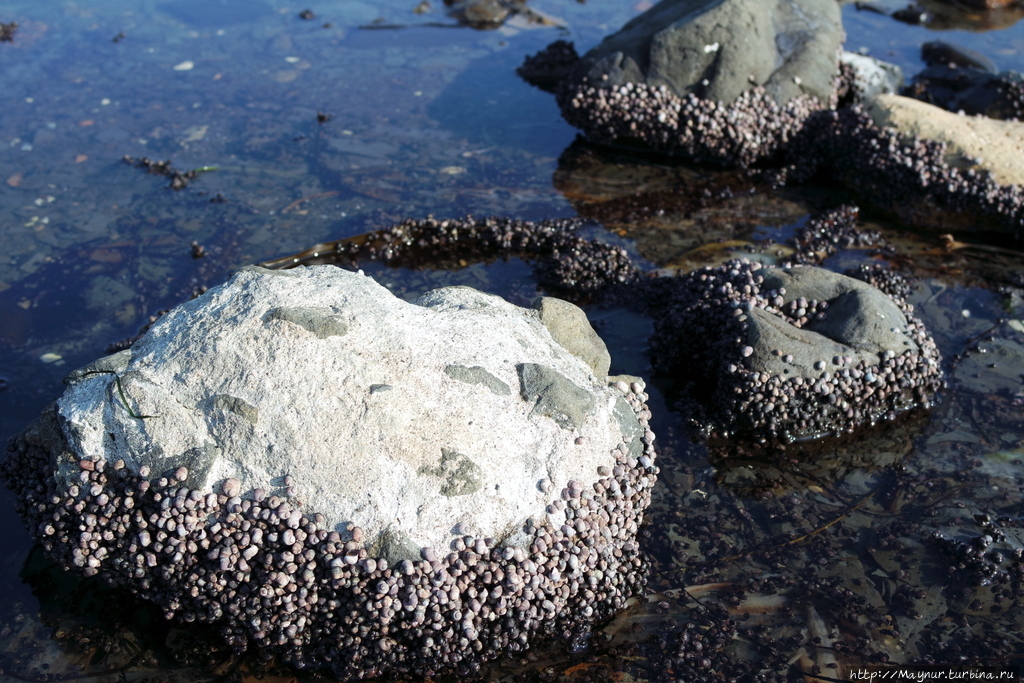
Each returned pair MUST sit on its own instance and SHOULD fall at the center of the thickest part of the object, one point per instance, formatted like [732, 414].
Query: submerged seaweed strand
[565, 261]
[179, 179]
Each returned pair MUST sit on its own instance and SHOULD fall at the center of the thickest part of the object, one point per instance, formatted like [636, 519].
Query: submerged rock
[972, 91]
[549, 67]
[312, 462]
[941, 53]
[792, 353]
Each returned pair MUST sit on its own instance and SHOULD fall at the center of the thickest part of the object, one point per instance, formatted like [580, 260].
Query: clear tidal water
[320, 129]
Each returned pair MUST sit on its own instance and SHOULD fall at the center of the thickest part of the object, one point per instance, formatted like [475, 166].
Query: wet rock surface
[941, 53]
[906, 176]
[971, 90]
[269, 557]
[549, 67]
[792, 353]
[752, 129]
[675, 79]
[690, 47]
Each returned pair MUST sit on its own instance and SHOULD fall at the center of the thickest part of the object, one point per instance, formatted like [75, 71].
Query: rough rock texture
[677, 80]
[826, 137]
[870, 77]
[907, 176]
[792, 352]
[752, 130]
[971, 142]
[549, 67]
[212, 538]
[720, 49]
[401, 419]
[569, 327]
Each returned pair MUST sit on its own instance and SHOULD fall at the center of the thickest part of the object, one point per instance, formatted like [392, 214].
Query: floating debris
[7, 31]
[179, 179]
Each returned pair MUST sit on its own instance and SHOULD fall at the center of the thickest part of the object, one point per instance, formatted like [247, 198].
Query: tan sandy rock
[996, 146]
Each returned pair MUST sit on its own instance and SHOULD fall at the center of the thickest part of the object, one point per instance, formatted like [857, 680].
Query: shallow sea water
[422, 117]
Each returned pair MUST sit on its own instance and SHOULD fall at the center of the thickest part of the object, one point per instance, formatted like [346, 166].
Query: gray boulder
[792, 353]
[828, 320]
[728, 82]
[401, 419]
[719, 49]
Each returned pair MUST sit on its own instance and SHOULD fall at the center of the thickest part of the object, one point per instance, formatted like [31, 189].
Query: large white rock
[402, 419]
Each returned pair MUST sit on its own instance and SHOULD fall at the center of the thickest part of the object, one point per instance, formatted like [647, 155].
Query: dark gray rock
[237, 406]
[555, 396]
[719, 49]
[478, 375]
[550, 66]
[860, 323]
[941, 53]
[970, 90]
[791, 353]
[323, 322]
[459, 475]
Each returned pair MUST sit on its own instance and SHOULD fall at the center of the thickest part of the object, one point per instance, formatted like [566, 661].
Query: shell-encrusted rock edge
[273, 577]
[676, 78]
[793, 353]
[275, 574]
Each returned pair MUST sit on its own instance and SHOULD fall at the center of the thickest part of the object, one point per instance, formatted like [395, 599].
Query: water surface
[320, 129]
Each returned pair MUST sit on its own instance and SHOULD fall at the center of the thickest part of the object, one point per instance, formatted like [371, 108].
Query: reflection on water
[901, 543]
[205, 14]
